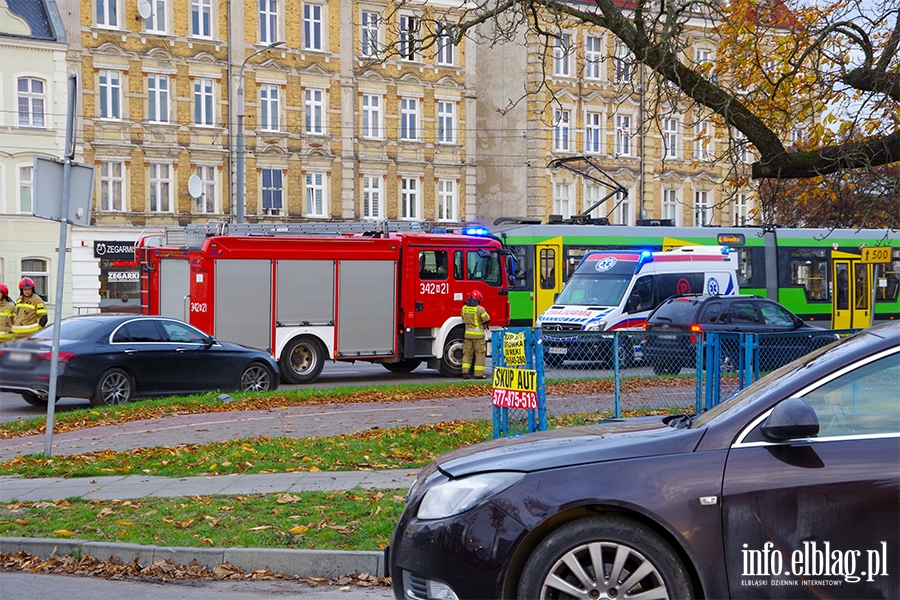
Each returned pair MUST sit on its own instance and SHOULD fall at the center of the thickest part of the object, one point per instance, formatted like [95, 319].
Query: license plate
[19, 357]
[554, 350]
[668, 336]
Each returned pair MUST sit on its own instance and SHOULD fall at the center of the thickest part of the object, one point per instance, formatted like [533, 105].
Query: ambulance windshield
[594, 290]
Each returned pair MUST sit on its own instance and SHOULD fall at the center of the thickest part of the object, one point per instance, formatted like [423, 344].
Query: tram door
[852, 292]
[548, 274]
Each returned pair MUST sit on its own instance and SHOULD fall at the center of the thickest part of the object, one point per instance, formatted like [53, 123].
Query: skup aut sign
[114, 249]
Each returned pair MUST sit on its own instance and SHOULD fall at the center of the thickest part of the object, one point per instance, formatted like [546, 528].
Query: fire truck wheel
[257, 378]
[451, 361]
[115, 386]
[302, 360]
[404, 366]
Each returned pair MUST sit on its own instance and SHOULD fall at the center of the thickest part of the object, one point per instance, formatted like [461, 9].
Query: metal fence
[586, 377]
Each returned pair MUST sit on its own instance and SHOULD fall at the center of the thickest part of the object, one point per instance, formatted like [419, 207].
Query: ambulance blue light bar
[476, 231]
[646, 256]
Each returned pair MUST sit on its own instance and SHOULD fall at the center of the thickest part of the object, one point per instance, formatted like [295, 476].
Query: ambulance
[616, 290]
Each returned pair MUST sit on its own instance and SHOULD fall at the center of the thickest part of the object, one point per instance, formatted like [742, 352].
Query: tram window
[573, 255]
[548, 268]
[524, 268]
[809, 269]
[744, 266]
[888, 282]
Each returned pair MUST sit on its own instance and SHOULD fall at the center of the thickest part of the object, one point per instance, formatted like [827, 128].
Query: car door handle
[130, 351]
[180, 349]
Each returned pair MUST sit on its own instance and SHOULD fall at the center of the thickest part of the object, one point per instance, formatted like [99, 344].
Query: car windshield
[600, 290]
[72, 329]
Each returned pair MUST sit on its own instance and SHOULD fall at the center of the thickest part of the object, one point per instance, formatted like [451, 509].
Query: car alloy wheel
[256, 378]
[114, 387]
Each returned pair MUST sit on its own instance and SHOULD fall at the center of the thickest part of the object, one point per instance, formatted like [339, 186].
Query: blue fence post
[699, 351]
[616, 408]
[497, 360]
[541, 387]
[529, 362]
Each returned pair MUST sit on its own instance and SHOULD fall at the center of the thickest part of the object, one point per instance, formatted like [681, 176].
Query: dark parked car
[787, 490]
[114, 358]
[676, 324]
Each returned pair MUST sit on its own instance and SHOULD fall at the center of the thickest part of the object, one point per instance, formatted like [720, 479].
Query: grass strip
[352, 520]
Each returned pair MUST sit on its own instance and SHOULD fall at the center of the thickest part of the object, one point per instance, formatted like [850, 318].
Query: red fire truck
[390, 297]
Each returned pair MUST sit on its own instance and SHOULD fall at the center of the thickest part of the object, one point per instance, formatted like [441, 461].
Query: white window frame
[201, 19]
[109, 82]
[372, 196]
[112, 186]
[409, 119]
[669, 206]
[274, 190]
[593, 132]
[370, 36]
[31, 104]
[372, 124]
[592, 194]
[702, 131]
[562, 199]
[446, 122]
[593, 59]
[269, 107]
[269, 21]
[623, 135]
[623, 213]
[410, 199]
[562, 129]
[313, 26]
[204, 102]
[743, 205]
[208, 201]
[703, 210]
[314, 109]
[316, 194]
[447, 202]
[741, 147]
[444, 45]
[158, 105]
[621, 63]
[41, 278]
[158, 21]
[670, 137]
[407, 27]
[161, 188]
[562, 55]
[107, 13]
[25, 186]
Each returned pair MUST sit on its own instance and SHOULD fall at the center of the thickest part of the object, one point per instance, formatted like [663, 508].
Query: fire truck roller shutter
[175, 284]
[367, 308]
[243, 307]
[305, 292]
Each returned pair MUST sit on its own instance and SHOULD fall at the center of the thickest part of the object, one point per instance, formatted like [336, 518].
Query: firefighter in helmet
[476, 320]
[7, 314]
[31, 314]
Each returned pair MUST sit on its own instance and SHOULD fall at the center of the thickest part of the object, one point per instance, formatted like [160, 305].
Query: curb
[327, 564]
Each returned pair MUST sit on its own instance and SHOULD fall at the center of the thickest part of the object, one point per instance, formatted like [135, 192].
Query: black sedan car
[790, 489]
[114, 358]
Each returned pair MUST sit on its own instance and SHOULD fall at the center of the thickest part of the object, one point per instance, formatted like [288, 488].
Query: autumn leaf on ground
[63, 532]
[298, 529]
[287, 499]
[260, 528]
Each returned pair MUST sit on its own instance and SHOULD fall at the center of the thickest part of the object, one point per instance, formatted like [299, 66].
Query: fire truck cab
[390, 297]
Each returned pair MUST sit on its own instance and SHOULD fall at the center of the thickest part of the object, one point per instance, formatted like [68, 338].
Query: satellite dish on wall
[144, 8]
[195, 186]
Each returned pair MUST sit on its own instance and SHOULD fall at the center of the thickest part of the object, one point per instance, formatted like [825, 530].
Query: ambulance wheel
[404, 366]
[302, 360]
[451, 359]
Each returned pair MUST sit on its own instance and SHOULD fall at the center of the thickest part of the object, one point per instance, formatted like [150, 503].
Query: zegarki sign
[114, 249]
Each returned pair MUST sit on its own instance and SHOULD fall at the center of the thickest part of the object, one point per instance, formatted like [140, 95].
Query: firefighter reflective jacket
[29, 311]
[476, 319]
[7, 315]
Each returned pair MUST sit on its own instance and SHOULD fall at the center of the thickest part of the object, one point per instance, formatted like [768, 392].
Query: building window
[315, 111]
[39, 270]
[160, 187]
[444, 44]
[409, 198]
[31, 102]
[316, 206]
[622, 63]
[272, 191]
[742, 210]
[592, 125]
[702, 209]
[670, 138]
[446, 128]
[592, 195]
[407, 36]
[670, 205]
[703, 141]
[562, 57]
[409, 119]
[446, 200]
[268, 107]
[796, 138]
[203, 102]
[592, 58]
[268, 21]
[201, 18]
[370, 34]
[156, 22]
[372, 197]
[371, 116]
[206, 203]
[158, 98]
[26, 189]
[623, 135]
[110, 94]
[623, 208]
[740, 146]
[312, 26]
[562, 200]
[107, 13]
[112, 184]
[561, 130]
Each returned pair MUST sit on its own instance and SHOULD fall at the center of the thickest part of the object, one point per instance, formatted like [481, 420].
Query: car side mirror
[210, 340]
[791, 418]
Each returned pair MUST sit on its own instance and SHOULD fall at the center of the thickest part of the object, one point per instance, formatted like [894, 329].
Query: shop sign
[114, 249]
